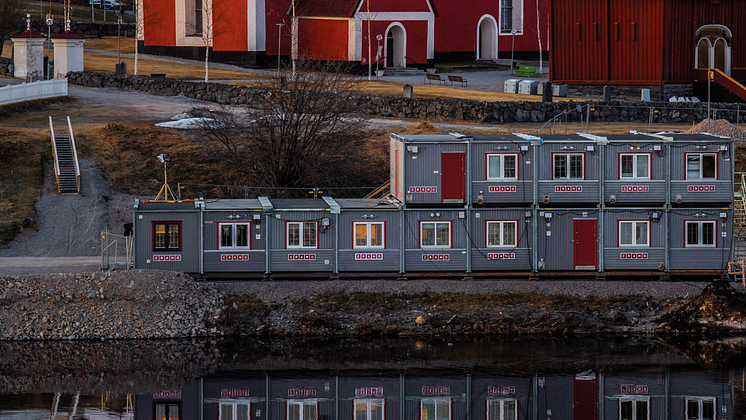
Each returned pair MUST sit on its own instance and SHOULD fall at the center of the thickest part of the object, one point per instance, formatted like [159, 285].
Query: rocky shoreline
[141, 304]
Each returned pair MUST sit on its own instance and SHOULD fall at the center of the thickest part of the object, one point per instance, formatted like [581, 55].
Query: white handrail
[54, 152]
[75, 152]
[36, 90]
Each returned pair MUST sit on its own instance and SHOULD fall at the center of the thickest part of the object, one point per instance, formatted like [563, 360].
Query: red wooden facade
[645, 42]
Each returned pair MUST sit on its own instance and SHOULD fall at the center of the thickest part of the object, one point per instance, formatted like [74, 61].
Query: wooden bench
[526, 71]
[430, 78]
[457, 79]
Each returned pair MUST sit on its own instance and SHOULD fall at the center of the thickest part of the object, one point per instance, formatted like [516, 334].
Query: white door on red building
[487, 42]
[396, 46]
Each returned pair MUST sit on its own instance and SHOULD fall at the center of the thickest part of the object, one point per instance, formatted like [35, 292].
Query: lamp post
[119, 39]
[379, 37]
[512, 53]
[279, 44]
[50, 22]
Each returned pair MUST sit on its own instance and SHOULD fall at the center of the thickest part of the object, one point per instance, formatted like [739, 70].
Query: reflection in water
[382, 379]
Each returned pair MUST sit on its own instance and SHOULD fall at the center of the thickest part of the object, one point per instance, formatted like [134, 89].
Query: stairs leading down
[739, 217]
[66, 166]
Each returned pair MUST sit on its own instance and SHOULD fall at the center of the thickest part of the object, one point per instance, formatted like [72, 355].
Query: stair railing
[381, 188]
[75, 153]
[54, 151]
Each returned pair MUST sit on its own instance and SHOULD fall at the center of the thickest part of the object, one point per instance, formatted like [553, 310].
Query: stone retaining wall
[439, 109]
[84, 28]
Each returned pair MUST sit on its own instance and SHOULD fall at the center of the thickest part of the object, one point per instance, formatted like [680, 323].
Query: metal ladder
[739, 217]
[66, 167]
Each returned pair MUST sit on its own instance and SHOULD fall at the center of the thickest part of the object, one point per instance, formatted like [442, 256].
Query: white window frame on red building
[302, 235]
[634, 400]
[435, 401]
[501, 243]
[635, 166]
[369, 403]
[633, 225]
[700, 228]
[436, 245]
[368, 236]
[234, 236]
[500, 403]
[516, 16]
[501, 176]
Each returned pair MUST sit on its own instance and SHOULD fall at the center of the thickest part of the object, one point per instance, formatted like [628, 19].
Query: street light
[512, 53]
[164, 159]
[379, 37]
[279, 44]
[50, 22]
[119, 38]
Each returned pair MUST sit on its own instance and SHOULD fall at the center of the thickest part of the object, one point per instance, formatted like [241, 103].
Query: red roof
[69, 35]
[28, 34]
[325, 8]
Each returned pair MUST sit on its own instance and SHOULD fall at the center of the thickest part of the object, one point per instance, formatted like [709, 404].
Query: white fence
[36, 90]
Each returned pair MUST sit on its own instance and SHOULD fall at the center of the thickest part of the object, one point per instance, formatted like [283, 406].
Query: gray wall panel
[214, 263]
[390, 388]
[279, 260]
[700, 258]
[523, 186]
[425, 170]
[190, 239]
[654, 192]
[652, 257]
[277, 224]
[557, 249]
[213, 218]
[412, 219]
[545, 158]
[679, 150]
[481, 262]
[657, 160]
[517, 192]
[719, 191]
[456, 260]
[390, 261]
[481, 386]
[588, 194]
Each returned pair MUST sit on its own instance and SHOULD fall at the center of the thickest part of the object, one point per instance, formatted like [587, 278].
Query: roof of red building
[326, 8]
[69, 35]
[28, 34]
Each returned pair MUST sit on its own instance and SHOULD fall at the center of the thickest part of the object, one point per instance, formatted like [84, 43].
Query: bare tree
[11, 13]
[307, 134]
[538, 36]
[209, 23]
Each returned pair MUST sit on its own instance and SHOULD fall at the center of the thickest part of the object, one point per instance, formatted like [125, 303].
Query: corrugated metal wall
[556, 397]
[700, 258]
[519, 192]
[423, 170]
[390, 262]
[213, 257]
[280, 259]
[618, 257]
[190, 240]
[280, 394]
[628, 192]
[480, 395]
[555, 245]
[433, 259]
[451, 388]
[485, 258]
[347, 395]
[655, 390]
[564, 191]
[718, 190]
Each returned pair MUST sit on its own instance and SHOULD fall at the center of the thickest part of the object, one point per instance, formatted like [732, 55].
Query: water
[374, 379]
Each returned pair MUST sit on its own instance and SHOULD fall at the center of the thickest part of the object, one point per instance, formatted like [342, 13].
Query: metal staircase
[383, 191]
[66, 167]
[739, 217]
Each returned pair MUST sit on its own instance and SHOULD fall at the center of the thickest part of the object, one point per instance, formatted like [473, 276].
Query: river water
[375, 379]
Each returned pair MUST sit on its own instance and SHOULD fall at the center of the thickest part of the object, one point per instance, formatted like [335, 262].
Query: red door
[452, 177]
[584, 244]
[585, 397]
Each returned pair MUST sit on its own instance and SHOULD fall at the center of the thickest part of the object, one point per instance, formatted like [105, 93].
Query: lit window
[369, 235]
[701, 166]
[302, 234]
[234, 235]
[234, 410]
[502, 167]
[700, 233]
[435, 409]
[167, 410]
[634, 233]
[435, 234]
[698, 408]
[302, 410]
[568, 166]
[502, 234]
[511, 18]
[166, 237]
[634, 408]
[634, 166]
[502, 409]
[369, 409]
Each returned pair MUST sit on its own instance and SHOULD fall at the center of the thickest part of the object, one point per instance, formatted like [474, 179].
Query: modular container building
[501, 397]
[699, 394]
[370, 398]
[435, 240]
[235, 398]
[167, 236]
[500, 171]
[369, 236]
[302, 397]
[233, 239]
[435, 398]
[635, 170]
[643, 393]
[701, 169]
[569, 169]
[182, 403]
[501, 239]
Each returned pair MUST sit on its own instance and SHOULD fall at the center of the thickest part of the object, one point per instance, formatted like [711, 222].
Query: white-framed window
[511, 17]
[302, 234]
[435, 234]
[502, 166]
[569, 165]
[634, 233]
[700, 408]
[234, 235]
[302, 410]
[502, 233]
[234, 410]
[701, 166]
[700, 233]
[165, 410]
[634, 166]
[435, 409]
[502, 409]
[634, 408]
[369, 409]
[369, 235]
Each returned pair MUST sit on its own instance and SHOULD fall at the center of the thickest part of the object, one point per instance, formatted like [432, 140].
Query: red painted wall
[275, 11]
[320, 39]
[160, 23]
[233, 36]
[395, 6]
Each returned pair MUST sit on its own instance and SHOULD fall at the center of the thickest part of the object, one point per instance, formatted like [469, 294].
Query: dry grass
[104, 63]
[385, 88]
[110, 44]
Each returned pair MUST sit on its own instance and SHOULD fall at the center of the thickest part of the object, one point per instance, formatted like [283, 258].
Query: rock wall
[439, 109]
[84, 28]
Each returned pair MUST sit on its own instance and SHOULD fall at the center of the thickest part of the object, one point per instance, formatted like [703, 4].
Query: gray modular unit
[423, 394]
[643, 392]
[569, 170]
[501, 239]
[491, 394]
[233, 394]
[181, 223]
[364, 252]
[418, 233]
[555, 397]
[700, 390]
[222, 257]
[290, 258]
[502, 170]
[635, 167]
[699, 240]
[694, 180]
[634, 239]
[375, 391]
[567, 239]
[428, 161]
[186, 400]
[301, 393]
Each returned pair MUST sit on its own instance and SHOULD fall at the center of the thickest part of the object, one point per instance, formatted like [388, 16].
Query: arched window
[713, 44]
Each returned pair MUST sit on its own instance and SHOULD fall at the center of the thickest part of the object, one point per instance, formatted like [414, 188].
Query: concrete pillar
[28, 55]
[68, 53]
